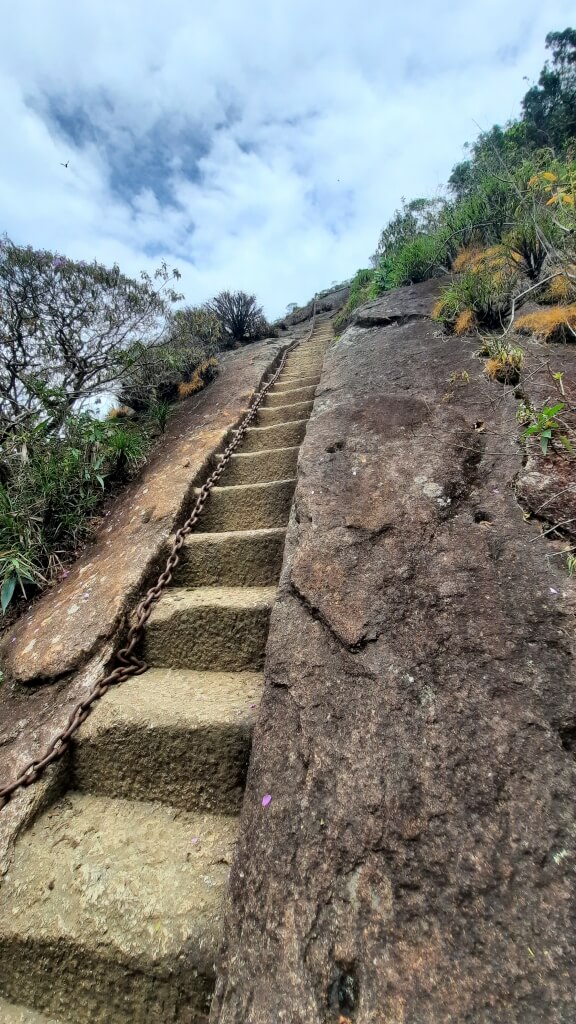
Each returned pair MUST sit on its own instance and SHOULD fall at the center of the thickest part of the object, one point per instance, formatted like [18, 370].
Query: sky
[251, 145]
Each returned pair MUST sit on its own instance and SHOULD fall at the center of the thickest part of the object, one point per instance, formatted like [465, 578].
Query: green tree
[67, 328]
[549, 108]
[240, 317]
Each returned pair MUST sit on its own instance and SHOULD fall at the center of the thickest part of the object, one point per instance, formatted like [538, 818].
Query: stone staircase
[112, 909]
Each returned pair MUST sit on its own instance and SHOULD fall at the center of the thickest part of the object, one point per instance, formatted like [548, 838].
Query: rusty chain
[129, 664]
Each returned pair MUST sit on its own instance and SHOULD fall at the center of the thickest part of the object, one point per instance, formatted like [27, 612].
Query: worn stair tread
[231, 558]
[116, 903]
[262, 466]
[248, 506]
[176, 698]
[277, 435]
[275, 398]
[92, 859]
[235, 489]
[290, 379]
[173, 735]
[180, 598]
[10, 1013]
[210, 628]
[281, 413]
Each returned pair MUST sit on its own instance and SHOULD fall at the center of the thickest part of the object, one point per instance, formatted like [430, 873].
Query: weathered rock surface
[400, 306]
[546, 485]
[416, 862]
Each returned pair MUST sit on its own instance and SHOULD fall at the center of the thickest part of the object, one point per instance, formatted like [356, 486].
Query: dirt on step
[416, 860]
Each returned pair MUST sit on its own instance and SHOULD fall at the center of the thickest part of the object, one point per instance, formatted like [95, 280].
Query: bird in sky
[65, 165]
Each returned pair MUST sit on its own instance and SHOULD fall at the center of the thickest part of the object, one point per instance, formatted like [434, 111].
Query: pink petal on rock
[266, 800]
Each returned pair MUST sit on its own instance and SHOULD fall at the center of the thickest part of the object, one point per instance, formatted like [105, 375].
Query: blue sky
[259, 145]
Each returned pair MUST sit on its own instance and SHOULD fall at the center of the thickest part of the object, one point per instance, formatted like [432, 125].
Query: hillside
[288, 704]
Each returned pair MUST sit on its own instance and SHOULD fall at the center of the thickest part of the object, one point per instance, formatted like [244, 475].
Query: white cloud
[259, 146]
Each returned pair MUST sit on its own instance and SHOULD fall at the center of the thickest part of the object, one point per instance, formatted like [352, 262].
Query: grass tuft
[557, 324]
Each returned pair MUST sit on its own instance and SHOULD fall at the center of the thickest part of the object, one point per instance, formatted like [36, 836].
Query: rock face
[415, 864]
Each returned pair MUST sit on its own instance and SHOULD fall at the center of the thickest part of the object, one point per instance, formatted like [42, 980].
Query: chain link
[128, 664]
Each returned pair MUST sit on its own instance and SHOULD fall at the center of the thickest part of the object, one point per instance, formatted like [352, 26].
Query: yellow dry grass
[465, 259]
[119, 412]
[465, 323]
[561, 288]
[437, 309]
[197, 382]
[505, 366]
[555, 324]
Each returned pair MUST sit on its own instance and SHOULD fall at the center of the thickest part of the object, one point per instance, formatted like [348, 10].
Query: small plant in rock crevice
[545, 424]
[504, 362]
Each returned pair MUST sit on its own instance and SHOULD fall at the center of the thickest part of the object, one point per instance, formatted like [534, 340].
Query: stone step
[281, 435]
[172, 735]
[247, 507]
[240, 558]
[12, 1014]
[274, 397]
[218, 629]
[299, 359]
[261, 467]
[287, 382]
[111, 912]
[284, 413]
[302, 369]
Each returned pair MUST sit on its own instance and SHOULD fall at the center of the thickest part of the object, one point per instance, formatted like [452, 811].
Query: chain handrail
[129, 664]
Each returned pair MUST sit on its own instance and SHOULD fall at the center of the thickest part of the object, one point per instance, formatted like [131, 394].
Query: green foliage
[415, 261]
[516, 193]
[194, 324]
[485, 289]
[549, 108]
[157, 371]
[545, 425]
[361, 291]
[480, 217]
[241, 318]
[418, 217]
[158, 414]
[67, 328]
[51, 486]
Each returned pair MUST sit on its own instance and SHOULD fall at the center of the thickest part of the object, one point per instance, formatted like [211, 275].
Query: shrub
[416, 261]
[556, 324]
[483, 291]
[241, 318]
[465, 258]
[51, 487]
[157, 372]
[480, 219]
[465, 322]
[360, 292]
[414, 219]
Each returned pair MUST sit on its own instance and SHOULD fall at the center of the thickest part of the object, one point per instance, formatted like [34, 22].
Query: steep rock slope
[416, 862]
